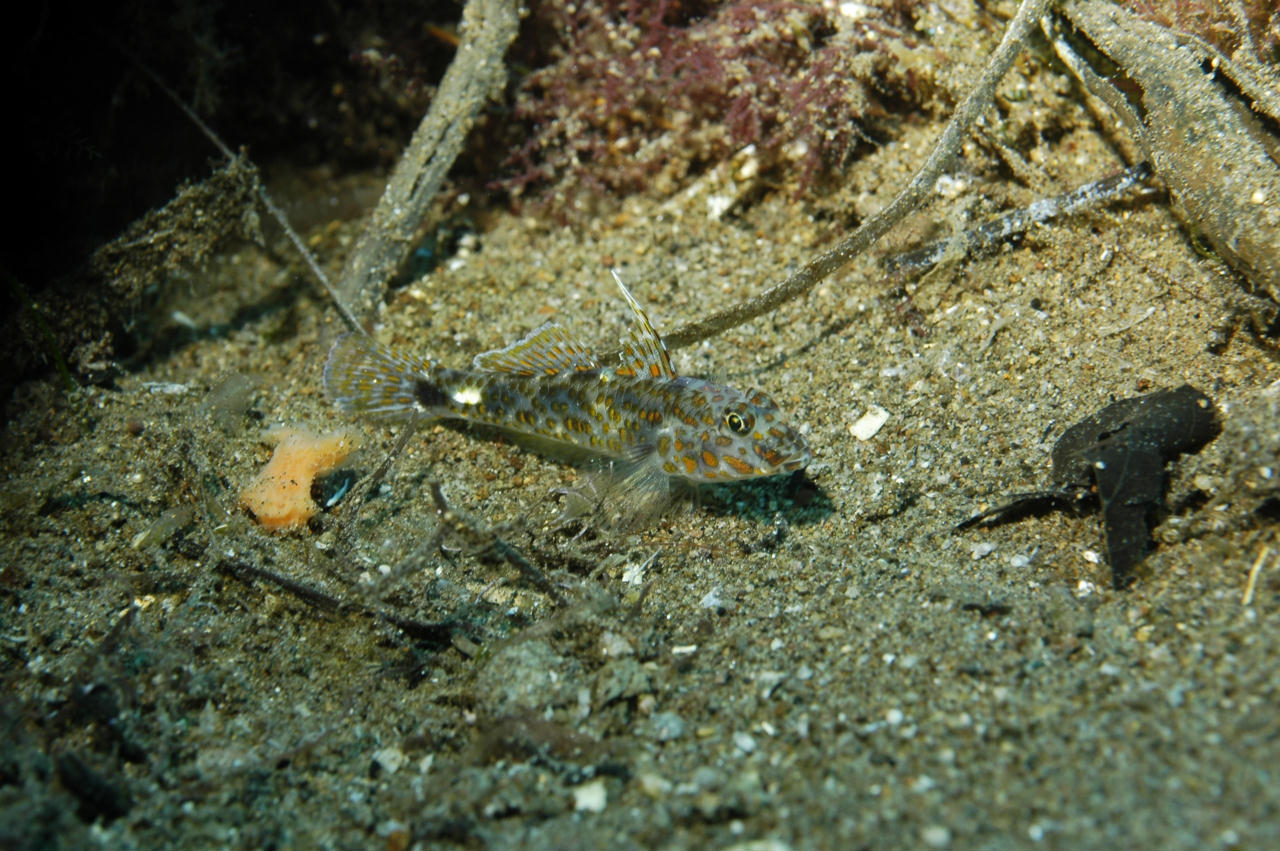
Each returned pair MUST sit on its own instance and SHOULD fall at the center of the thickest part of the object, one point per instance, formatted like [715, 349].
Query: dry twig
[476, 74]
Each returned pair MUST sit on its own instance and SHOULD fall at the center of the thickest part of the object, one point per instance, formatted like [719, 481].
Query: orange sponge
[280, 495]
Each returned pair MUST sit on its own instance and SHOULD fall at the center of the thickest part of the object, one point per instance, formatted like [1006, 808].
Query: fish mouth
[797, 460]
[799, 456]
[787, 462]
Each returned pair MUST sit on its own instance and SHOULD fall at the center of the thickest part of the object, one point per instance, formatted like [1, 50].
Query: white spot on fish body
[467, 395]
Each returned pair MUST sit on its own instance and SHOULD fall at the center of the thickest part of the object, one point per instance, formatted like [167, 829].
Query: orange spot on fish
[770, 456]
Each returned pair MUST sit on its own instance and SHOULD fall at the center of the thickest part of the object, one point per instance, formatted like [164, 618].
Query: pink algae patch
[280, 495]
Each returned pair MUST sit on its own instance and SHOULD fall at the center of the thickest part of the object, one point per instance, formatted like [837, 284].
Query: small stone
[590, 797]
[396, 834]
[667, 726]
[981, 550]
[524, 676]
[712, 600]
[389, 759]
[936, 836]
[615, 645]
[654, 785]
[923, 784]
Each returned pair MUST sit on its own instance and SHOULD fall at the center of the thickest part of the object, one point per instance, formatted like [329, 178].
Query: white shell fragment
[869, 423]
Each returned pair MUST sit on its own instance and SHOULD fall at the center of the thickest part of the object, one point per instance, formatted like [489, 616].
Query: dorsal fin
[643, 353]
[546, 350]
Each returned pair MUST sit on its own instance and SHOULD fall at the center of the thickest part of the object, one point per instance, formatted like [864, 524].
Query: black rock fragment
[1116, 459]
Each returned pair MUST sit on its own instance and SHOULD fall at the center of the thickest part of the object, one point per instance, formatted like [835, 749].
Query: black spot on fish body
[428, 394]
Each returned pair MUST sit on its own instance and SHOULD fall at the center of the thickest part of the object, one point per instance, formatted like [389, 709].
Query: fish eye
[739, 423]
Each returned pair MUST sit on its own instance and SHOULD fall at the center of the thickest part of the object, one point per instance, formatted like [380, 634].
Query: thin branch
[991, 233]
[367, 489]
[974, 104]
[476, 74]
[272, 208]
[435, 632]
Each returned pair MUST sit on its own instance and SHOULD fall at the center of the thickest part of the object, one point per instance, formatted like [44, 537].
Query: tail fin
[363, 376]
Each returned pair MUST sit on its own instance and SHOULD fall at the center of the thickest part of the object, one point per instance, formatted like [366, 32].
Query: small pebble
[590, 797]
[389, 759]
[936, 836]
[667, 726]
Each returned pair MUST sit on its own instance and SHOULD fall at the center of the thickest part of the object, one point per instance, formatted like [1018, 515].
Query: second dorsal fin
[546, 350]
[643, 353]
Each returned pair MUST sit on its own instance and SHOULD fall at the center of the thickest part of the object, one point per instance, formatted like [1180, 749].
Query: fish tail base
[366, 377]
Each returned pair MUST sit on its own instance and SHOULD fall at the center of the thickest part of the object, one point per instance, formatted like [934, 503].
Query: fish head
[729, 435]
